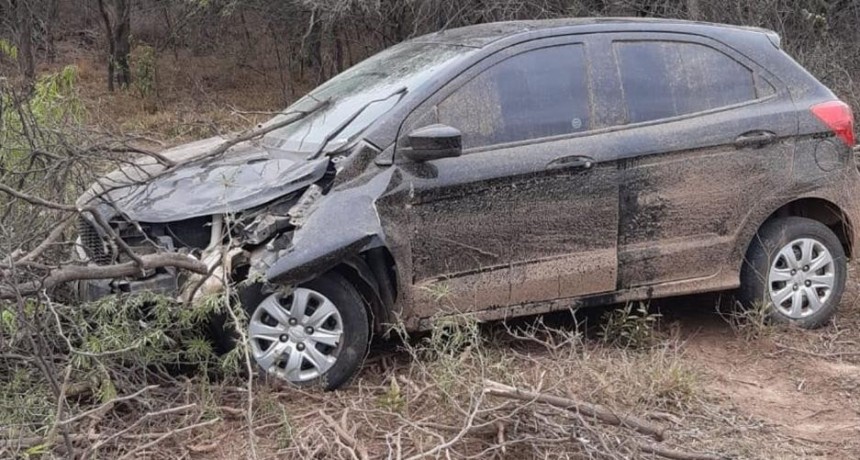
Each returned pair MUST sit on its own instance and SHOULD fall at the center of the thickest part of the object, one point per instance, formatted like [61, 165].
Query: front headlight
[263, 227]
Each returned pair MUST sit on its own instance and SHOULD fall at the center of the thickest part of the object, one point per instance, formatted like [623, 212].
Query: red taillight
[837, 116]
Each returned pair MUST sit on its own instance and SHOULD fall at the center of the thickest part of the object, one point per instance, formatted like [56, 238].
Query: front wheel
[316, 334]
[796, 268]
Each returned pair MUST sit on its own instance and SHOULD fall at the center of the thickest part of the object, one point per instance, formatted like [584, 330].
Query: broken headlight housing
[305, 206]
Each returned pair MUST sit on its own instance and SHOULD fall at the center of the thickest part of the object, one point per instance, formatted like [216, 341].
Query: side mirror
[434, 142]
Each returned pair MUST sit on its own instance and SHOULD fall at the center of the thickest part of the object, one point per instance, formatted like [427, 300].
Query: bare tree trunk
[111, 45]
[282, 72]
[171, 32]
[338, 49]
[51, 24]
[26, 62]
[694, 13]
[347, 40]
[313, 51]
[123, 44]
[620, 8]
[116, 15]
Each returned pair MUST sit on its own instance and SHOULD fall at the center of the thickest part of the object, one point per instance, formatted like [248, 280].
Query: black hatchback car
[508, 169]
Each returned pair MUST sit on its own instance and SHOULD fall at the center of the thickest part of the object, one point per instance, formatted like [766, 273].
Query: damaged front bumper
[221, 257]
[166, 284]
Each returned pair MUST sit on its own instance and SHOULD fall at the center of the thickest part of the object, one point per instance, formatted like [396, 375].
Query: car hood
[247, 175]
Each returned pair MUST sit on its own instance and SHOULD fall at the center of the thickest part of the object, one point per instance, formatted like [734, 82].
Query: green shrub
[145, 83]
[629, 327]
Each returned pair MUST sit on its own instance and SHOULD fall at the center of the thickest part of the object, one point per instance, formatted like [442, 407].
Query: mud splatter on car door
[724, 141]
[526, 214]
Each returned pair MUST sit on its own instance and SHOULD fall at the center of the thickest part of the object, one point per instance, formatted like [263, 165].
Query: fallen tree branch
[52, 238]
[602, 413]
[134, 451]
[161, 159]
[347, 438]
[290, 118]
[114, 237]
[172, 410]
[836, 354]
[107, 406]
[467, 427]
[666, 452]
[36, 201]
[93, 272]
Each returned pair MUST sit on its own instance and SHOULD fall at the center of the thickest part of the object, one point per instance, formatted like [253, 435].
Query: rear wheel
[316, 334]
[796, 268]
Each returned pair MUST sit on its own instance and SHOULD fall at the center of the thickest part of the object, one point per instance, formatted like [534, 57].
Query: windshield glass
[362, 93]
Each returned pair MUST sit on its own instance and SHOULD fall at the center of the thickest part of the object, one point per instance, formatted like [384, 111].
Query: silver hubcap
[801, 278]
[296, 336]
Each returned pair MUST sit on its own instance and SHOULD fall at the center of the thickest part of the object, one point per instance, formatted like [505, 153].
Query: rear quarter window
[662, 79]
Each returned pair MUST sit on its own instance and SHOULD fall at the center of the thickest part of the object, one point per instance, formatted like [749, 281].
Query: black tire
[223, 336]
[772, 237]
[355, 340]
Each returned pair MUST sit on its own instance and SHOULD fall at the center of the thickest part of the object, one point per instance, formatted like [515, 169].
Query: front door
[528, 213]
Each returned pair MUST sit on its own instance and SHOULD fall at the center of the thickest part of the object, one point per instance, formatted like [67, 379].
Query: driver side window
[535, 94]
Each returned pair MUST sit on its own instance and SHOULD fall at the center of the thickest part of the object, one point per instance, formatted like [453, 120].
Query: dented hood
[247, 175]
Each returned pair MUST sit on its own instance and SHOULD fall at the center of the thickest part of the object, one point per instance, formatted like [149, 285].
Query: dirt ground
[810, 397]
[802, 386]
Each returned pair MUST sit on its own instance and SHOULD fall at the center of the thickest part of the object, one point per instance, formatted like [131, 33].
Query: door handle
[571, 162]
[755, 139]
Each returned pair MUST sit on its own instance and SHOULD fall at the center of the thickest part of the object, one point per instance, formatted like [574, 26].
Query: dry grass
[196, 97]
[426, 397]
[429, 393]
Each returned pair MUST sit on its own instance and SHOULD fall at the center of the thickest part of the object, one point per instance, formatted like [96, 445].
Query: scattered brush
[631, 326]
[748, 322]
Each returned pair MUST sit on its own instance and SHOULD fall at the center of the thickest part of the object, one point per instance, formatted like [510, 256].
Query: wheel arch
[818, 209]
[373, 276]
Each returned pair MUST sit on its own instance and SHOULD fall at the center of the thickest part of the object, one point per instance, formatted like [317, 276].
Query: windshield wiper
[339, 128]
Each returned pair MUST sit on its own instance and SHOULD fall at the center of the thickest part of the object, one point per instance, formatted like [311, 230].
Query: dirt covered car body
[515, 168]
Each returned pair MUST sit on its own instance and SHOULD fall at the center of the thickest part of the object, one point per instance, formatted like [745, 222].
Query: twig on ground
[602, 413]
[663, 451]
[467, 427]
[838, 354]
[147, 416]
[107, 406]
[134, 451]
[209, 446]
[347, 439]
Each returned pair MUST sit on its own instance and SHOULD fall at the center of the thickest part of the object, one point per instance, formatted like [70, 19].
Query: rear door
[528, 213]
[704, 132]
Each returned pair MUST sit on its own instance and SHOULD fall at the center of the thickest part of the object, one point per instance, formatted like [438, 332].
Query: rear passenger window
[535, 94]
[667, 79]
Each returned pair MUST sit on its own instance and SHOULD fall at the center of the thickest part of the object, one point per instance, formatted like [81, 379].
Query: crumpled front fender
[306, 263]
[344, 223]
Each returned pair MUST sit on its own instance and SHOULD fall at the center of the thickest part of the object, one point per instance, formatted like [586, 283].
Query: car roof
[481, 35]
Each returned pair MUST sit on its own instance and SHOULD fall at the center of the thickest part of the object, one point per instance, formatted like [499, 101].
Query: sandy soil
[802, 386]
